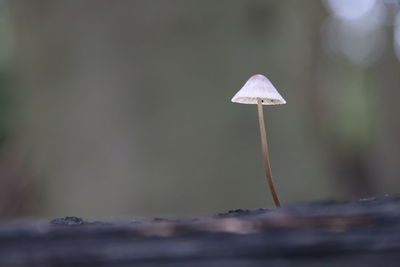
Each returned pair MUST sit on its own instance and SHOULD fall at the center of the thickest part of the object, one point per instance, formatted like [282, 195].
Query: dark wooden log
[363, 233]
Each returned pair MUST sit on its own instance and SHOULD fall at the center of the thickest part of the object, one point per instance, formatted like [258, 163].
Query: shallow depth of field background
[122, 108]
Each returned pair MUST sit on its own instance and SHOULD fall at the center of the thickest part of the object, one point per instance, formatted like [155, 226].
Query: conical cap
[258, 86]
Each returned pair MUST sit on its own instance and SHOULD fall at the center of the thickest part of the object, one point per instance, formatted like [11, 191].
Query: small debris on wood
[322, 233]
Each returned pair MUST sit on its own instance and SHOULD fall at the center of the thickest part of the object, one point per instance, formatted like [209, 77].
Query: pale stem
[264, 149]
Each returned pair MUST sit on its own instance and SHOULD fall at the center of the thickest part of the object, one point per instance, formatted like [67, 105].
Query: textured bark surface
[363, 233]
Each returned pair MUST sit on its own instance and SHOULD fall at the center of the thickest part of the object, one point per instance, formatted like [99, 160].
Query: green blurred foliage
[122, 107]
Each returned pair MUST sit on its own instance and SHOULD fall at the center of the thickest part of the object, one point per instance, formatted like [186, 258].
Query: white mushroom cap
[258, 86]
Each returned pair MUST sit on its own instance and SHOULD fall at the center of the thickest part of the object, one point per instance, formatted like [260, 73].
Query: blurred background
[122, 108]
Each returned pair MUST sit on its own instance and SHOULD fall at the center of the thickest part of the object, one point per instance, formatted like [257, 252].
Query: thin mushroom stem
[264, 149]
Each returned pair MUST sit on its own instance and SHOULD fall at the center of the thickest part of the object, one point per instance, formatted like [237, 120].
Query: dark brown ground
[363, 233]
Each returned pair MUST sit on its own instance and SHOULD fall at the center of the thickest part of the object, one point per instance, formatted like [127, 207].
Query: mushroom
[259, 90]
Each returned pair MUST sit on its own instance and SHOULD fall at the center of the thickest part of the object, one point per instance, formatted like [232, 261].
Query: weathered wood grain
[363, 233]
